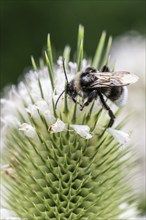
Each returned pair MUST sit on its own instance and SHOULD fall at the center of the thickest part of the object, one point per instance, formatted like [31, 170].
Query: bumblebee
[91, 84]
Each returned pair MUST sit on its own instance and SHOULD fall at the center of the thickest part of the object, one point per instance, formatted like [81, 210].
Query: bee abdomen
[118, 95]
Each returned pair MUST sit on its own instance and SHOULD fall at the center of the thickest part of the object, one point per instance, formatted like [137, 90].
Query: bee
[91, 84]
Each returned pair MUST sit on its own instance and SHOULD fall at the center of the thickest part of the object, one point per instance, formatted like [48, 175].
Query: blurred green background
[25, 24]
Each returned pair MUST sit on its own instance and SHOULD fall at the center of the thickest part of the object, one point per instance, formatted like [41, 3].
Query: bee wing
[107, 79]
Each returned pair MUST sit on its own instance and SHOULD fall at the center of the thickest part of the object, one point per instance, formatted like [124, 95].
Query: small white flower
[59, 61]
[84, 64]
[24, 93]
[7, 214]
[82, 130]
[10, 121]
[32, 110]
[130, 213]
[123, 205]
[28, 130]
[6, 105]
[73, 66]
[121, 136]
[43, 108]
[59, 126]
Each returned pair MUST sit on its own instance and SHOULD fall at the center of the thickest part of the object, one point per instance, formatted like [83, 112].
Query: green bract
[63, 163]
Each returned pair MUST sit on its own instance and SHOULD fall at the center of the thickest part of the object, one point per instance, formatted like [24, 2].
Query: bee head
[70, 89]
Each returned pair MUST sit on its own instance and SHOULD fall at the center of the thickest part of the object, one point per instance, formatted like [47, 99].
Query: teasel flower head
[62, 163]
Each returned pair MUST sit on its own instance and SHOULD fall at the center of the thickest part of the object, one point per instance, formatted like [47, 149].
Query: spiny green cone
[63, 163]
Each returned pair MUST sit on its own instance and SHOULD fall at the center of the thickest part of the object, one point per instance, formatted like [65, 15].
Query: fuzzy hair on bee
[91, 84]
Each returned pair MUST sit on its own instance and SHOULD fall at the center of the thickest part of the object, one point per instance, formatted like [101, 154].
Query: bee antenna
[65, 70]
[58, 99]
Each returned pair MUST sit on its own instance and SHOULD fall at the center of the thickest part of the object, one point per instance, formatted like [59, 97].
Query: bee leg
[75, 101]
[111, 114]
[105, 69]
[93, 95]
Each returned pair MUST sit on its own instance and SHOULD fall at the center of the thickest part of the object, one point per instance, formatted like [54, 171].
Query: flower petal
[121, 136]
[130, 213]
[73, 66]
[43, 108]
[60, 61]
[8, 214]
[28, 130]
[82, 130]
[59, 126]
[32, 110]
